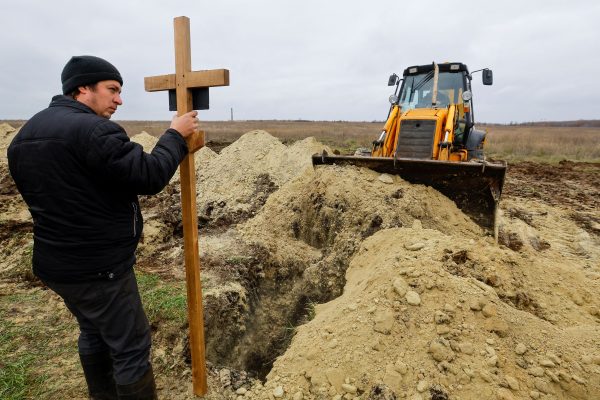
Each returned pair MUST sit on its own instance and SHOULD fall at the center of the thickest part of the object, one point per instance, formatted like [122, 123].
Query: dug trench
[265, 280]
[252, 301]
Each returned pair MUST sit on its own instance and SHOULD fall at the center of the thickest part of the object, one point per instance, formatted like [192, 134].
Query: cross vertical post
[184, 81]
[183, 65]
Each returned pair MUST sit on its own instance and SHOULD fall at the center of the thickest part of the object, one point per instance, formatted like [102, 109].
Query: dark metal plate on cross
[199, 99]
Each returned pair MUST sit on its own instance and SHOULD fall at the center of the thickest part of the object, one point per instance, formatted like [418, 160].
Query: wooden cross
[184, 81]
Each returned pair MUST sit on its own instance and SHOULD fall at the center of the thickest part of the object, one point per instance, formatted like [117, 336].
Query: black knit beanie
[85, 70]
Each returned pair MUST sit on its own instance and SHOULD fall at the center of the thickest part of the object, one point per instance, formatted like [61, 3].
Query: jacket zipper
[134, 218]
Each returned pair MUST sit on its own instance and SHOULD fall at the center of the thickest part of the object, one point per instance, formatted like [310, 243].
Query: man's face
[103, 99]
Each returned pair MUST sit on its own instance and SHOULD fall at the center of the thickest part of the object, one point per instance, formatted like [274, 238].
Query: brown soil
[338, 282]
[568, 184]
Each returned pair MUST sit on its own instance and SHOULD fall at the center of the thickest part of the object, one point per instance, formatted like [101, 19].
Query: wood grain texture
[192, 80]
[182, 81]
[183, 65]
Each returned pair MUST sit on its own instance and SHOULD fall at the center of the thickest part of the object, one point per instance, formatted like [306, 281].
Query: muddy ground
[333, 283]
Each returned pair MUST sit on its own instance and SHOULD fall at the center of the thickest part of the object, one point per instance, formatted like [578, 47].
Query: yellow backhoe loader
[430, 138]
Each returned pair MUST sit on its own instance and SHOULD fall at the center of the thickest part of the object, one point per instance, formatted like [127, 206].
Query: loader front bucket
[475, 187]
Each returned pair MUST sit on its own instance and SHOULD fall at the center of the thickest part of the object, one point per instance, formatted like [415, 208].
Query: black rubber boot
[98, 372]
[143, 389]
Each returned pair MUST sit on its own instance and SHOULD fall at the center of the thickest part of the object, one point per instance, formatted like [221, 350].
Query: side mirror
[487, 76]
[392, 80]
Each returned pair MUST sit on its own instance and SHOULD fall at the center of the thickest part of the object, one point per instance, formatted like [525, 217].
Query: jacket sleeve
[121, 162]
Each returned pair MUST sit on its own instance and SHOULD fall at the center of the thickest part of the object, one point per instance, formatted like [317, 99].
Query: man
[80, 176]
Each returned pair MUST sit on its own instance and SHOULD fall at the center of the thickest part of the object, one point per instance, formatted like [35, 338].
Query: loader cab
[453, 82]
[417, 86]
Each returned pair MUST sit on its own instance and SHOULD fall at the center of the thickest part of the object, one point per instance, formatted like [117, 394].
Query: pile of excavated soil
[15, 220]
[7, 133]
[13, 211]
[146, 140]
[234, 184]
[231, 186]
[416, 321]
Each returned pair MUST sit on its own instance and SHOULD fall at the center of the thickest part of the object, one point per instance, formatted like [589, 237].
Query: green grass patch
[311, 311]
[30, 338]
[23, 348]
[17, 381]
[163, 301]
[33, 340]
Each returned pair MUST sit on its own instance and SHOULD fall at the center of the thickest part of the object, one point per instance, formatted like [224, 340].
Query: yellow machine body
[429, 138]
[446, 122]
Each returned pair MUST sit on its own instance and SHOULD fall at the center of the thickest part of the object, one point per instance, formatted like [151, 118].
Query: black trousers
[111, 318]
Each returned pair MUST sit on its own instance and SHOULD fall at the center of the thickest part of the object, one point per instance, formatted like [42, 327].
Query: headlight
[393, 99]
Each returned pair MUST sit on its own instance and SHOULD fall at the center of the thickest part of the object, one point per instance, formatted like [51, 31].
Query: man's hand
[186, 124]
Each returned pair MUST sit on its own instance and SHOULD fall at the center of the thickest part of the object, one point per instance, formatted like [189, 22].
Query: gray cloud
[311, 59]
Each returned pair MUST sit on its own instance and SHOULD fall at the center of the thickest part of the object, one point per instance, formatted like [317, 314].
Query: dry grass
[538, 143]
[513, 143]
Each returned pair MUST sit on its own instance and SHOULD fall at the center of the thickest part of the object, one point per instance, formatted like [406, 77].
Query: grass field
[509, 142]
[544, 144]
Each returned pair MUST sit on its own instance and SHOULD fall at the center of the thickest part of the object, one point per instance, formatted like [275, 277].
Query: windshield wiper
[420, 84]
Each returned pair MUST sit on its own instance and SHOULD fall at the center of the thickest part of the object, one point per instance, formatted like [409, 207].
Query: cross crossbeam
[193, 80]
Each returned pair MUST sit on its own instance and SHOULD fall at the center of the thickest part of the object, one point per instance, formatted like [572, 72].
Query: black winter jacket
[80, 176]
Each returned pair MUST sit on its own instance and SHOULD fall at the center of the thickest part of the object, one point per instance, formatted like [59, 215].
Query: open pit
[334, 282]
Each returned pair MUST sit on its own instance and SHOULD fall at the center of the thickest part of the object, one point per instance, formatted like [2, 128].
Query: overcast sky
[311, 59]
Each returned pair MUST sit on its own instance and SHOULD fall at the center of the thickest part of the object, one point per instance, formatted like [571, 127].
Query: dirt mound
[407, 322]
[233, 185]
[325, 215]
[14, 216]
[7, 133]
[146, 140]
[331, 210]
